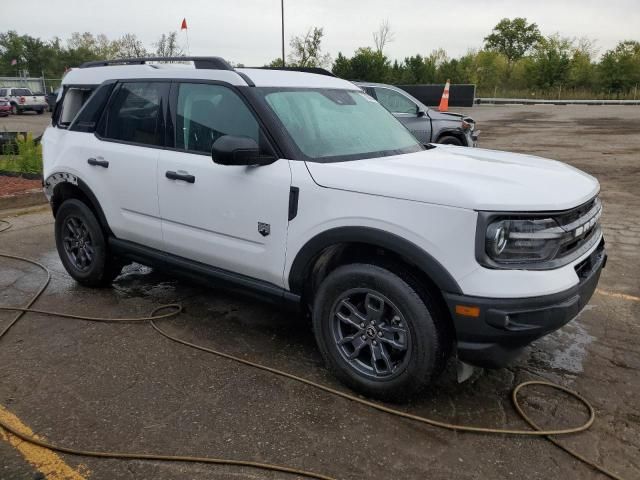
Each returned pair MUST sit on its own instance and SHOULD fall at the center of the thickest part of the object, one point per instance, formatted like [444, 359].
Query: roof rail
[206, 63]
[316, 70]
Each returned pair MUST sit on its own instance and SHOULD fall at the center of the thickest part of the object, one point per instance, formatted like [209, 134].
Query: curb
[25, 199]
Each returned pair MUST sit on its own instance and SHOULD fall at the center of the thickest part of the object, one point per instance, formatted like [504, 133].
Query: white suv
[300, 188]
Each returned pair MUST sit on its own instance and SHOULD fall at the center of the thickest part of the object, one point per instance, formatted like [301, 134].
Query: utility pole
[282, 16]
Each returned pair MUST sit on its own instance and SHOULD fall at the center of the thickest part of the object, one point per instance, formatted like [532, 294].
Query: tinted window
[3, 92]
[395, 102]
[21, 91]
[207, 112]
[135, 114]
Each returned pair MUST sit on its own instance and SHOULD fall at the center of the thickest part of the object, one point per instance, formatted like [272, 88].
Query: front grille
[582, 223]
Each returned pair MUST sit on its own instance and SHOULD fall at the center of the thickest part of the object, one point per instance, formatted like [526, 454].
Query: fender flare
[55, 179]
[372, 236]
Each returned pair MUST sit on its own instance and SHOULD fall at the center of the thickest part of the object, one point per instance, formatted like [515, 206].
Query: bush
[28, 158]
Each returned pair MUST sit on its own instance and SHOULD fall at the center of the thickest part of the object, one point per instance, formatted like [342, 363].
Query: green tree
[369, 65]
[306, 50]
[620, 67]
[513, 39]
[551, 61]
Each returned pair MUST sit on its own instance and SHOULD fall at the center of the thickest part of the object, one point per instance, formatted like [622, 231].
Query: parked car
[24, 100]
[426, 124]
[5, 107]
[301, 189]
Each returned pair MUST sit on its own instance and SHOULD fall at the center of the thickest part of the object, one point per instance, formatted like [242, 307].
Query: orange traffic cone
[444, 101]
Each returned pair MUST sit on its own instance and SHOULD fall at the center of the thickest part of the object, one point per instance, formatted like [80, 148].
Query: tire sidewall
[425, 347]
[95, 274]
[451, 140]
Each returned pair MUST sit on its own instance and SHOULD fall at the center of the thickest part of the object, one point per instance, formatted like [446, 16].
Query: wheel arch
[452, 132]
[365, 240]
[61, 186]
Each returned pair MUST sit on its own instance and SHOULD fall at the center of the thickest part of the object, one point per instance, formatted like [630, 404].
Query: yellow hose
[176, 309]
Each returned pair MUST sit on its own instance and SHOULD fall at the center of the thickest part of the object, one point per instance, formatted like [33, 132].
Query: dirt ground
[123, 387]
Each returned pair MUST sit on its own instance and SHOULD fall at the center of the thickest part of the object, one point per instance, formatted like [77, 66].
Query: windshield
[336, 125]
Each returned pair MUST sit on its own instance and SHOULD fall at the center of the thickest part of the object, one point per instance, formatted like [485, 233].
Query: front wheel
[376, 333]
[41, 111]
[450, 140]
[82, 245]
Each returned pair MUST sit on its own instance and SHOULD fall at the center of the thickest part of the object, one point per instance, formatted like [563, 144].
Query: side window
[3, 92]
[206, 112]
[135, 114]
[74, 99]
[395, 102]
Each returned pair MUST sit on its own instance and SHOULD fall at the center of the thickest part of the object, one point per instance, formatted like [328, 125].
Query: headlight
[523, 240]
[538, 242]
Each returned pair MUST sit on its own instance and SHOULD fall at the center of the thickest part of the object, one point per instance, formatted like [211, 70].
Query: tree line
[514, 60]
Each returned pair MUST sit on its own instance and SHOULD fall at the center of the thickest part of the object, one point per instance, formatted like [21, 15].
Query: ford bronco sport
[302, 189]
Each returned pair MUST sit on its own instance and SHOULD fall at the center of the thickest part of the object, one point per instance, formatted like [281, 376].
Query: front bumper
[504, 326]
[472, 138]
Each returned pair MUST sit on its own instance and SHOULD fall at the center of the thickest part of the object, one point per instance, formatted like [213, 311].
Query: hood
[450, 116]
[464, 177]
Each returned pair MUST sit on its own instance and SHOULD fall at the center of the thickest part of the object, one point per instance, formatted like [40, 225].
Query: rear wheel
[450, 140]
[376, 333]
[41, 111]
[82, 245]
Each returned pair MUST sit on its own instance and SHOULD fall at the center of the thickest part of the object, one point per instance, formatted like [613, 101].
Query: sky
[248, 31]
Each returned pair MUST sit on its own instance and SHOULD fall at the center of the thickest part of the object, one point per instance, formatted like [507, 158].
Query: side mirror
[233, 150]
[420, 112]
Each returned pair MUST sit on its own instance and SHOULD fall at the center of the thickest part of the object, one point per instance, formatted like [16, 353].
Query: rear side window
[73, 100]
[207, 112]
[135, 113]
[3, 92]
[21, 91]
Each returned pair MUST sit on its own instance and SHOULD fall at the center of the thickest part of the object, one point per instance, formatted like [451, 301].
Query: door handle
[98, 163]
[185, 177]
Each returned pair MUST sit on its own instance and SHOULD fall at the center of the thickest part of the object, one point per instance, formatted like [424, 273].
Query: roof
[95, 75]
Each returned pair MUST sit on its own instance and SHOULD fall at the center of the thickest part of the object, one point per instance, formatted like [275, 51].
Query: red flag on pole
[184, 24]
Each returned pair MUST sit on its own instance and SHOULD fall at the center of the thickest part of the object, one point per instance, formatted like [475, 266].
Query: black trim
[200, 271]
[294, 194]
[246, 78]
[506, 325]
[206, 63]
[410, 252]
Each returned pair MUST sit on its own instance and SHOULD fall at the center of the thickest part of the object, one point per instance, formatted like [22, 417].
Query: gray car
[428, 125]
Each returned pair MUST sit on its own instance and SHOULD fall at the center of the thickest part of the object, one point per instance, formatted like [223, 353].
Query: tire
[82, 246]
[41, 111]
[405, 332]
[450, 140]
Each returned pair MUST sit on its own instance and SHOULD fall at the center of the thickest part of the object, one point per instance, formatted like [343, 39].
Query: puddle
[141, 281]
[564, 350]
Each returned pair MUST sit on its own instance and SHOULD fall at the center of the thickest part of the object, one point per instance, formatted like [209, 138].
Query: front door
[230, 217]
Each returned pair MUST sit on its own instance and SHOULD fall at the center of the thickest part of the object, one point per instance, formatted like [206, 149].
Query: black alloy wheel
[371, 333]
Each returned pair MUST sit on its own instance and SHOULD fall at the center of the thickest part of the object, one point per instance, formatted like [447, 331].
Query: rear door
[120, 161]
[231, 217]
[405, 110]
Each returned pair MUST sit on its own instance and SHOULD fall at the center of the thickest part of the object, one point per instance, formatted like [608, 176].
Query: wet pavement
[124, 387]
